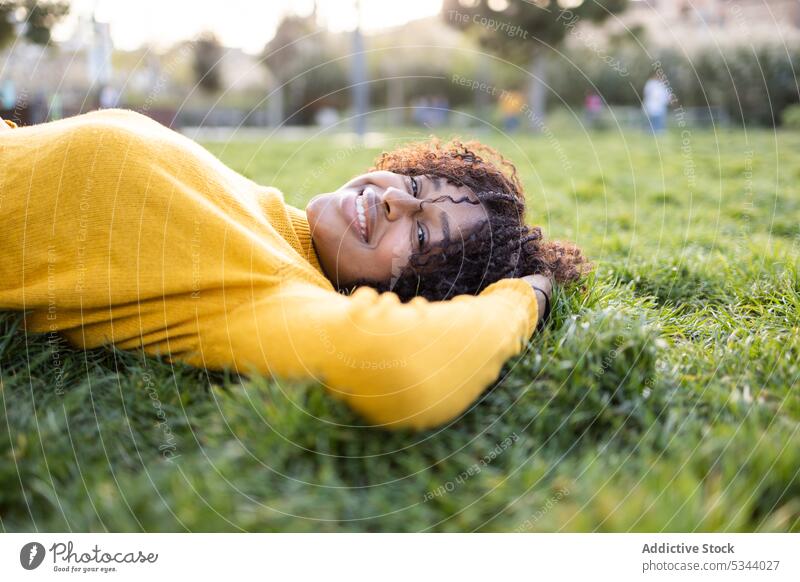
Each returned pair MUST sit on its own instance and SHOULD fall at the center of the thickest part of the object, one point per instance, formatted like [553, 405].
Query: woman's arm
[417, 364]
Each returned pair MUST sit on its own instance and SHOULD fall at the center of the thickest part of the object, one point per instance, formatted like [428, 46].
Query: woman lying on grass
[115, 229]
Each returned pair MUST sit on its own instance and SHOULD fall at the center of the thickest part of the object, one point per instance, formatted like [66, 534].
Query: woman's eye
[421, 236]
[414, 186]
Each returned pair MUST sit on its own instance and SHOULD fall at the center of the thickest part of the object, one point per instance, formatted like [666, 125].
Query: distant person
[419, 112]
[38, 108]
[326, 117]
[430, 111]
[404, 290]
[440, 108]
[593, 109]
[8, 95]
[56, 107]
[108, 97]
[655, 103]
[511, 104]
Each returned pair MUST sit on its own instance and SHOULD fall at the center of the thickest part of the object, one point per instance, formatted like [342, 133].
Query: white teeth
[362, 219]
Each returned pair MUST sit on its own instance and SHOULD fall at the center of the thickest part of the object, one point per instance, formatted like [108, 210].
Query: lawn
[665, 395]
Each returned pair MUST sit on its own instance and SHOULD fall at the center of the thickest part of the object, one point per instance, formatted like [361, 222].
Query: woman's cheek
[394, 257]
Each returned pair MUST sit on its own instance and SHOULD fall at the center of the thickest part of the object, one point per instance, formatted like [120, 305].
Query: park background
[662, 397]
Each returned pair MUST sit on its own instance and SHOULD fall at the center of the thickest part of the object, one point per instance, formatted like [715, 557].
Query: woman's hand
[544, 290]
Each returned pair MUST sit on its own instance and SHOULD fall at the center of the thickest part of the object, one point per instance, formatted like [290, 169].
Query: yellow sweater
[117, 230]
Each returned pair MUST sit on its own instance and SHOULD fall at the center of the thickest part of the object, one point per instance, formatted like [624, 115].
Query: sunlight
[376, 14]
[242, 24]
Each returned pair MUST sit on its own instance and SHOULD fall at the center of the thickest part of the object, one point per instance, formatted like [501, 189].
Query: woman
[117, 230]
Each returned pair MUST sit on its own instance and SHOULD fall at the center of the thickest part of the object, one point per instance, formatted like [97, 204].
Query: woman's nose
[400, 203]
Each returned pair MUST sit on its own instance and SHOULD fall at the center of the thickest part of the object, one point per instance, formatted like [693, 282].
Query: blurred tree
[310, 66]
[284, 56]
[521, 30]
[6, 24]
[207, 55]
[403, 68]
[37, 18]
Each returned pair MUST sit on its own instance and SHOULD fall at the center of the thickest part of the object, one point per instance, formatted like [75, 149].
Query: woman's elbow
[422, 401]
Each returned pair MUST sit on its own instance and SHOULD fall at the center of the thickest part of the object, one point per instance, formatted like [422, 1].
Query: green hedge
[753, 84]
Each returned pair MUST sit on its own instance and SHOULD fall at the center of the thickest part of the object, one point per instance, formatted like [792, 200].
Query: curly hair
[499, 247]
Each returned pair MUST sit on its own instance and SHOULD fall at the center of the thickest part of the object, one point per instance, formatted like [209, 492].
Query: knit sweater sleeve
[414, 365]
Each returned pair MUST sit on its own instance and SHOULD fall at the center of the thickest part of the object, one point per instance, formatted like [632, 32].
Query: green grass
[663, 397]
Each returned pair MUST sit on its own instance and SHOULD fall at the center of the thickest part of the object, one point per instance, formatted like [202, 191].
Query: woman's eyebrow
[445, 225]
[437, 183]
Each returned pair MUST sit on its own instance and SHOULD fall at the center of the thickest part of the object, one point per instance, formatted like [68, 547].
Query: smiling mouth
[361, 213]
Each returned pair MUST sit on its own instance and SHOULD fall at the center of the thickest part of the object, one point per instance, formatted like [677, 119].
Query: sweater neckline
[299, 222]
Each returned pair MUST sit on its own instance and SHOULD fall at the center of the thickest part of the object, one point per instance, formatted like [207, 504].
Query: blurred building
[670, 18]
[72, 72]
[85, 71]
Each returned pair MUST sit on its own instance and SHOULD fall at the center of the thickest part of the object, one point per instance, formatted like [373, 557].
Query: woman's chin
[321, 208]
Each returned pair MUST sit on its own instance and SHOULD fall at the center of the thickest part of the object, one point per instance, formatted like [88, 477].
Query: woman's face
[370, 227]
